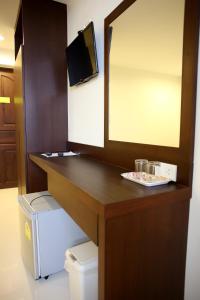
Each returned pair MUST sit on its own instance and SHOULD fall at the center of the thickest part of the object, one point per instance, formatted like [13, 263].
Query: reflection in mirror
[146, 73]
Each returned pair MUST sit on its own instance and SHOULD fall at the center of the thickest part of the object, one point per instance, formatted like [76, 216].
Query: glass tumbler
[151, 167]
[140, 165]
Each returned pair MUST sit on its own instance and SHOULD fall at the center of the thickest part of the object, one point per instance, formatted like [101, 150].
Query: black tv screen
[82, 57]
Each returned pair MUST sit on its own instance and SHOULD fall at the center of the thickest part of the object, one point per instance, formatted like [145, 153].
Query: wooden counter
[141, 232]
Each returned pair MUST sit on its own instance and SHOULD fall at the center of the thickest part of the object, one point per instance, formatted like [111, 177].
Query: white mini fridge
[46, 232]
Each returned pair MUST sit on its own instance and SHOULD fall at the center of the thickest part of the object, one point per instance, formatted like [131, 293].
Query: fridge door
[56, 233]
[29, 248]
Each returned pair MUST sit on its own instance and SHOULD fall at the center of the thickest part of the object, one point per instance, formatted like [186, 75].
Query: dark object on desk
[48, 154]
[60, 154]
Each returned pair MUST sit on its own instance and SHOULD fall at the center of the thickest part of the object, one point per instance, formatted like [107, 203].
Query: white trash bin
[82, 264]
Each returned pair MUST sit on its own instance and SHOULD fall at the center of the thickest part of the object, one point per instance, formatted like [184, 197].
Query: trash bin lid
[84, 253]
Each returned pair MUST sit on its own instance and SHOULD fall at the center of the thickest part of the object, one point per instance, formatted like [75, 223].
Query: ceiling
[8, 15]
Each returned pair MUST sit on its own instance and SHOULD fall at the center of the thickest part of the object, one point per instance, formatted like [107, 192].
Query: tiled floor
[15, 281]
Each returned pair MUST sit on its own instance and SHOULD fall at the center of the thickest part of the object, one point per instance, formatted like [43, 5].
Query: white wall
[192, 287]
[86, 102]
[6, 58]
[86, 123]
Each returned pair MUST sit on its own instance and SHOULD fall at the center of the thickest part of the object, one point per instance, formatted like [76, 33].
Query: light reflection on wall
[145, 73]
[7, 58]
[145, 107]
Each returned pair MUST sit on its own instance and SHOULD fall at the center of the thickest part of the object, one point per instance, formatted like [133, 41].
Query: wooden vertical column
[42, 31]
[20, 124]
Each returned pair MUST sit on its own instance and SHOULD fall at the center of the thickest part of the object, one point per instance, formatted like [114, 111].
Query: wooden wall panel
[45, 75]
[7, 88]
[7, 137]
[145, 253]
[44, 85]
[20, 124]
[10, 160]
[8, 169]
[8, 177]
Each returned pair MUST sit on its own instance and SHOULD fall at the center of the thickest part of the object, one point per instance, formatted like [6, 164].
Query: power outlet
[167, 170]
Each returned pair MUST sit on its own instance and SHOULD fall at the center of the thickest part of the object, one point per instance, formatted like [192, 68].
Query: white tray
[145, 178]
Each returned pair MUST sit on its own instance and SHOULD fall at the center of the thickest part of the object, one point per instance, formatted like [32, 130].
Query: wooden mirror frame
[123, 153]
[183, 156]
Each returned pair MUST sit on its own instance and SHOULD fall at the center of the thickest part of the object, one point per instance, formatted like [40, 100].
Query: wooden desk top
[100, 180]
[134, 226]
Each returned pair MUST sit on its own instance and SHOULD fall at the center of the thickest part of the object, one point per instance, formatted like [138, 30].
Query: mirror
[145, 73]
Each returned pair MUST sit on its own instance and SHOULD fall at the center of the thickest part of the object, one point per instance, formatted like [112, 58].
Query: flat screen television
[82, 56]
